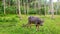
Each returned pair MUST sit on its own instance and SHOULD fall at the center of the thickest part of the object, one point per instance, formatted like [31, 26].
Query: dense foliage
[12, 8]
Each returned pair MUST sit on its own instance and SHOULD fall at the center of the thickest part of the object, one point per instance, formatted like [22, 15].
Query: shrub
[11, 10]
[8, 20]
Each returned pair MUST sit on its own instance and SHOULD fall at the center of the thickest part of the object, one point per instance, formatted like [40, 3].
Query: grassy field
[11, 24]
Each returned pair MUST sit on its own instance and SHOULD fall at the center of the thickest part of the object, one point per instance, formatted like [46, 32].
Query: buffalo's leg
[30, 25]
[37, 27]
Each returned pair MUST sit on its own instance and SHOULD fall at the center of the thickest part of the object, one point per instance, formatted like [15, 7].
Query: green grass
[11, 24]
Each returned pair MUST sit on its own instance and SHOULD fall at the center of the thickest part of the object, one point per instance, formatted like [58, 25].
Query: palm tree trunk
[24, 9]
[45, 7]
[35, 5]
[57, 6]
[18, 8]
[39, 5]
[9, 3]
[27, 6]
[52, 9]
[4, 1]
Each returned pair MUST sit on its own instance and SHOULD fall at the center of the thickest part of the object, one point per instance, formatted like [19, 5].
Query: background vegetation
[15, 13]
[11, 8]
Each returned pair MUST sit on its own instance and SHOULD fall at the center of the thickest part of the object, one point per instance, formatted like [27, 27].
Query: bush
[1, 8]
[58, 12]
[22, 9]
[11, 10]
[42, 10]
[8, 20]
[32, 11]
[36, 11]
